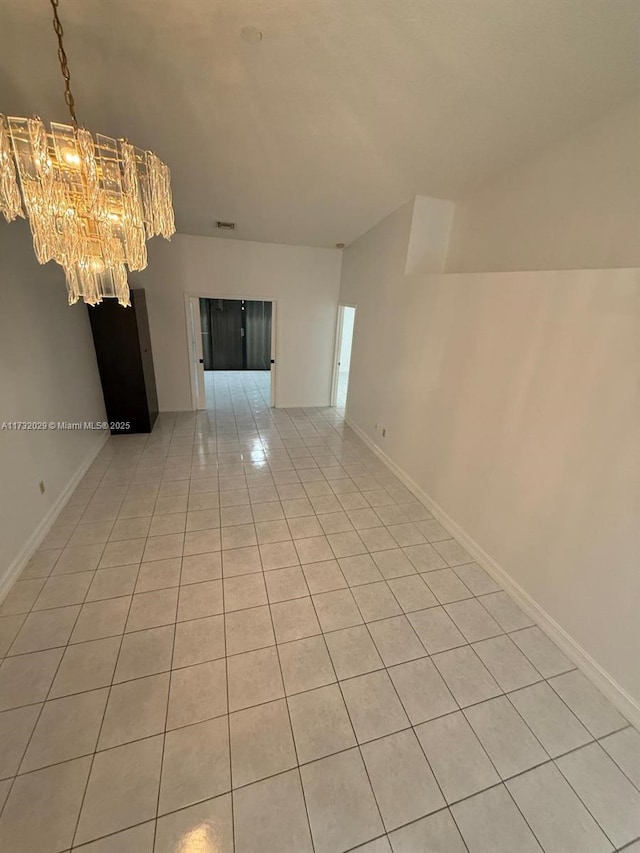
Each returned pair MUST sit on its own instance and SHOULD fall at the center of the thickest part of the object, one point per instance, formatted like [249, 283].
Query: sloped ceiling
[344, 109]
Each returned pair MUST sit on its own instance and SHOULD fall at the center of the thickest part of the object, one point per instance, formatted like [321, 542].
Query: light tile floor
[243, 633]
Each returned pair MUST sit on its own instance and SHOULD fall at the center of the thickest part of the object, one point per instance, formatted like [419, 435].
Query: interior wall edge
[31, 545]
[616, 694]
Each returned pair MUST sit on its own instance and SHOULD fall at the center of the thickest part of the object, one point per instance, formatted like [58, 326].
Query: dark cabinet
[125, 361]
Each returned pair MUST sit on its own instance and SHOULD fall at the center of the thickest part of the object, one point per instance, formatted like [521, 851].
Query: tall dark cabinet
[125, 361]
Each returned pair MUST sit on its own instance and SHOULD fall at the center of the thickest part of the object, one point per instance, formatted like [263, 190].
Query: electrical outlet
[41, 486]
[384, 432]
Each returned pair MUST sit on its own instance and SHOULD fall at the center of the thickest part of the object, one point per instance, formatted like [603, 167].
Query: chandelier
[91, 203]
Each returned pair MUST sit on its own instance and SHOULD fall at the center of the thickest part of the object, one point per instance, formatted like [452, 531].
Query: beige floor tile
[353, 652]
[295, 619]
[195, 765]
[456, 756]
[136, 709]
[402, 781]
[261, 742]
[376, 601]
[138, 839]
[271, 815]
[145, 653]
[254, 677]
[340, 802]
[99, 619]
[46, 629]
[112, 583]
[153, 609]
[123, 553]
[200, 599]
[305, 664]
[321, 724]
[492, 820]
[244, 591]
[197, 693]
[67, 728]
[63, 590]
[27, 678]
[396, 640]
[199, 640]
[209, 822]
[422, 690]
[16, 727]
[246, 630]
[110, 807]
[373, 706]
[51, 798]
[337, 610]
[160, 574]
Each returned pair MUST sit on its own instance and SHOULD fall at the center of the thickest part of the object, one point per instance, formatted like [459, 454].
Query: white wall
[575, 206]
[304, 281]
[48, 372]
[429, 235]
[510, 399]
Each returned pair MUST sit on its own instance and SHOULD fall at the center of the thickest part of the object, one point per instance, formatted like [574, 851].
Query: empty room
[319, 426]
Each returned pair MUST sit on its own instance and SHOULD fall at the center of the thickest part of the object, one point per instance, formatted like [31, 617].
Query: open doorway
[231, 348]
[236, 347]
[344, 340]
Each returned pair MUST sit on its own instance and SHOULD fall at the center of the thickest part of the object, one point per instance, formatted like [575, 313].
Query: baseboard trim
[616, 694]
[32, 544]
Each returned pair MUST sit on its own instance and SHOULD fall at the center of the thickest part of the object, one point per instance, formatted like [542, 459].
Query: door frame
[338, 346]
[194, 344]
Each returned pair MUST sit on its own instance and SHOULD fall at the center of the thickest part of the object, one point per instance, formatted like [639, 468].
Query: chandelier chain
[64, 65]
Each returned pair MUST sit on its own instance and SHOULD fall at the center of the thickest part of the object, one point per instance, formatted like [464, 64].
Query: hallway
[244, 633]
[230, 389]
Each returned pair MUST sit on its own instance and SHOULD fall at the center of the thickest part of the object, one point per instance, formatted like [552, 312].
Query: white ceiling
[343, 111]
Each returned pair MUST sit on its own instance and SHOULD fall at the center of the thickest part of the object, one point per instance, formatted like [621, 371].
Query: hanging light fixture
[91, 203]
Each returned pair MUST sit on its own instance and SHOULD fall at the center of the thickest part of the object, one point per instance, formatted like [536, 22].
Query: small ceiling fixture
[91, 204]
[339, 245]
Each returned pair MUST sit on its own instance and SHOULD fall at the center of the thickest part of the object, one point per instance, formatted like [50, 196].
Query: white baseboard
[31, 545]
[616, 694]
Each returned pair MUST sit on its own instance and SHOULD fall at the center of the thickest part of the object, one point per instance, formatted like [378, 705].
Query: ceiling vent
[226, 226]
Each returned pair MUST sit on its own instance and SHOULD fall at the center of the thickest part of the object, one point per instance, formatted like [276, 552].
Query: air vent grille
[226, 226]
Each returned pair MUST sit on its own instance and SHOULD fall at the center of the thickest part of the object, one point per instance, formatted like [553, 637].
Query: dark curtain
[257, 317]
[235, 337]
[207, 339]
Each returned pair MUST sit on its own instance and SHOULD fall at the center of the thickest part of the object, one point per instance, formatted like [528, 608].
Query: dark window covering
[233, 338]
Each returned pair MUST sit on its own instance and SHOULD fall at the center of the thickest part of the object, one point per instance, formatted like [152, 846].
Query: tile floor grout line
[104, 714]
[353, 729]
[166, 715]
[286, 704]
[297, 475]
[581, 799]
[44, 701]
[228, 715]
[415, 734]
[311, 761]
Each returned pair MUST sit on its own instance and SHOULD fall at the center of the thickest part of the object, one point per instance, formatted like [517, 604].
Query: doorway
[236, 334]
[342, 366]
[231, 345]
[236, 347]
